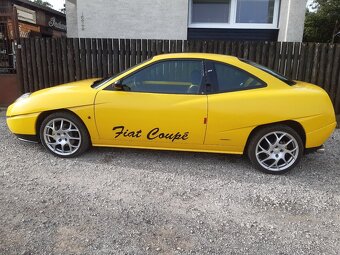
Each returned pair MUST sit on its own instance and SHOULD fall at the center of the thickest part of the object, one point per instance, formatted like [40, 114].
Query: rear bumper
[319, 149]
[319, 136]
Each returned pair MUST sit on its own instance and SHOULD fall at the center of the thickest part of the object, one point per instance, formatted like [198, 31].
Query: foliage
[43, 3]
[323, 21]
[63, 10]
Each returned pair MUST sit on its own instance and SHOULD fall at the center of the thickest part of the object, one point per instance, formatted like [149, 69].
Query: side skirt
[27, 138]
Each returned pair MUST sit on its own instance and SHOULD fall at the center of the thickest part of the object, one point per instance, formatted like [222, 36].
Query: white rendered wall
[71, 18]
[133, 19]
[291, 20]
[158, 19]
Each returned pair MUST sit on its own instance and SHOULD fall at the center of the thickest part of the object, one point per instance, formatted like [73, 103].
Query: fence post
[18, 66]
[17, 50]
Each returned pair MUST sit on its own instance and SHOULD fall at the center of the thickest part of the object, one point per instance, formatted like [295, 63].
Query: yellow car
[188, 102]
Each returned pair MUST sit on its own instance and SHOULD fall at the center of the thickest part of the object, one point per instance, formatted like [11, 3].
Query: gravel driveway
[125, 201]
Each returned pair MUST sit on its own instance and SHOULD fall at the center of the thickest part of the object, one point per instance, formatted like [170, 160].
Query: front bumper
[23, 124]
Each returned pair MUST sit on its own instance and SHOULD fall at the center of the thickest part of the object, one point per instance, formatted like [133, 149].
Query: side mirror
[117, 86]
[120, 87]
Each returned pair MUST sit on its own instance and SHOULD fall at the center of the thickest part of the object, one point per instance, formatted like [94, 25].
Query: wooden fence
[45, 62]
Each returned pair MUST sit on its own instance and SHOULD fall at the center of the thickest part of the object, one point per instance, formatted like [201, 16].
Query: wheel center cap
[61, 136]
[276, 151]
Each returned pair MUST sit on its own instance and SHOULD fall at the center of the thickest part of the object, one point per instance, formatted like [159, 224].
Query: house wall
[163, 19]
[72, 18]
[147, 19]
[292, 19]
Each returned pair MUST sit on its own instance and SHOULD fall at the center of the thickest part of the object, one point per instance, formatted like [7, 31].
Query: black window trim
[202, 90]
[215, 86]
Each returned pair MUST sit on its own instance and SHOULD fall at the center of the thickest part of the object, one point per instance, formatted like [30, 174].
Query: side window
[230, 78]
[168, 77]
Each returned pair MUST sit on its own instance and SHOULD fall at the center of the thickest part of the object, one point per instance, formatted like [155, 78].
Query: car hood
[64, 96]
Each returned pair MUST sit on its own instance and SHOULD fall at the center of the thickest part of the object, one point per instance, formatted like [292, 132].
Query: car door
[160, 105]
[234, 102]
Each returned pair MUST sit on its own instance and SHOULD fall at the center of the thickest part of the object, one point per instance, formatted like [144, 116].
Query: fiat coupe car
[186, 102]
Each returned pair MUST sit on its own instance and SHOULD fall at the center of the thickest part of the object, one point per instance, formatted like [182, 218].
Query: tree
[323, 21]
[43, 3]
[63, 10]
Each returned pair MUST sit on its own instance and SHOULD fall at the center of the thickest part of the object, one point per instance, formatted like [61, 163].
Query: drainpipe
[287, 21]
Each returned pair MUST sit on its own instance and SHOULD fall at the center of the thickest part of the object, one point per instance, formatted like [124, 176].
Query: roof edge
[41, 7]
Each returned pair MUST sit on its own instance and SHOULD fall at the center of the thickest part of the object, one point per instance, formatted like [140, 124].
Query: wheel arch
[290, 123]
[45, 114]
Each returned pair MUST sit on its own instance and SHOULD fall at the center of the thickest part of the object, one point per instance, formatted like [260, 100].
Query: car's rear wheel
[64, 135]
[275, 149]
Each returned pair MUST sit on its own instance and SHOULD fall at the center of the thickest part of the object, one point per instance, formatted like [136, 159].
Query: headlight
[26, 95]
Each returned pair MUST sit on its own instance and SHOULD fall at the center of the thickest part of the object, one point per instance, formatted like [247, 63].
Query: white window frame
[232, 19]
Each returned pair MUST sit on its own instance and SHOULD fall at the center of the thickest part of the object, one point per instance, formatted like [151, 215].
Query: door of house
[6, 44]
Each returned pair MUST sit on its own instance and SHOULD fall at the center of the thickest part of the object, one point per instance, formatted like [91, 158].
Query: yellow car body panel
[141, 119]
[318, 137]
[74, 94]
[23, 124]
[77, 97]
[220, 122]
[245, 110]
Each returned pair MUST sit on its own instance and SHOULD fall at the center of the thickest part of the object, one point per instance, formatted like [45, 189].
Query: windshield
[270, 71]
[97, 84]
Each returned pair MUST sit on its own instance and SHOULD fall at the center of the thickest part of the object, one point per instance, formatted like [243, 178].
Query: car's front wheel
[64, 135]
[275, 149]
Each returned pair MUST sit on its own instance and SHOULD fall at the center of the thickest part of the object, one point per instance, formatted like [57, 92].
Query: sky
[309, 2]
[57, 4]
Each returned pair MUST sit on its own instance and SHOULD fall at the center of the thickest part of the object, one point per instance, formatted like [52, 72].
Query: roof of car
[196, 55]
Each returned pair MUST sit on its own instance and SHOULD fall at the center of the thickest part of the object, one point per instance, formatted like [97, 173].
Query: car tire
[64, 135]
[275, 149]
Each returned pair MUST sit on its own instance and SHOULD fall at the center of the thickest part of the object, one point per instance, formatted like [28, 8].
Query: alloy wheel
[62, 136]
[277, 151]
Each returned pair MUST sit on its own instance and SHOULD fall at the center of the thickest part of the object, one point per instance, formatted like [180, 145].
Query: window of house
[229, 78]
[234, 13]
[255, 11]
[169, 77]
[202, 11]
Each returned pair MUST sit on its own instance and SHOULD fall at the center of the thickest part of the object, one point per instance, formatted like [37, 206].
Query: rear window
[270, 71]
[233, 79]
